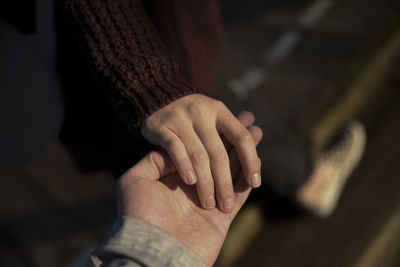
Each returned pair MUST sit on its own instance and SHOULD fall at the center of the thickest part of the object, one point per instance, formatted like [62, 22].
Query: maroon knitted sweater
[140, 72]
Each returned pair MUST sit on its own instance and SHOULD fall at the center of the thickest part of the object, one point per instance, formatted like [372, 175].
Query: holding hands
[154, 192]
[189, 130]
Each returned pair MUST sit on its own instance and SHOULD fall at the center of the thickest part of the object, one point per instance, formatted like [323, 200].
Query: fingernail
[210, 202]
[190, 177]
[227, 204]
[255, 180]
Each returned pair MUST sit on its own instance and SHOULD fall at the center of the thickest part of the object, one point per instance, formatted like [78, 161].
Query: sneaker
[332, 169]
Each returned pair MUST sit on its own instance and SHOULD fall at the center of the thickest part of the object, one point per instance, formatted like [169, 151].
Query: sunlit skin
[153, 191]
[190, 130]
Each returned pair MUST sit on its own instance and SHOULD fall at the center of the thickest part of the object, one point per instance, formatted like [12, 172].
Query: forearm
[127, 56]
[139, 243]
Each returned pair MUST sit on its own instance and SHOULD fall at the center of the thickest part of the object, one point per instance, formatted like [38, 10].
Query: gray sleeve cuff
[139, 243]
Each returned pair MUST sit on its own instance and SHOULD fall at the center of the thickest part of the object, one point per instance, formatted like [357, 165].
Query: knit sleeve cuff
[127, 57]
[134, 110]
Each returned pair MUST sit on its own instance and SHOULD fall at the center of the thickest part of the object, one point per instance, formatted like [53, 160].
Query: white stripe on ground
[248, 82]
[314, 13]
[286, 43]
[282, 48]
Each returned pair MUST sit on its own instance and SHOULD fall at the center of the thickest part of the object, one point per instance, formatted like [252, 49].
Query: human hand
[189, 130]
[154, 192]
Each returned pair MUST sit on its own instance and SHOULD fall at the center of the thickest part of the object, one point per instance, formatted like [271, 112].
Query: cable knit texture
[128, 59]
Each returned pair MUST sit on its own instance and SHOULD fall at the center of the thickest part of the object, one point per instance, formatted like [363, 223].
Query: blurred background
[311, 66]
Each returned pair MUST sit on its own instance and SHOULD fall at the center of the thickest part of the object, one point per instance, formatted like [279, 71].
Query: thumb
[155, 165]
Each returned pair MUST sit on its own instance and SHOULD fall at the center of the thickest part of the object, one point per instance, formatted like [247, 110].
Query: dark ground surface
[369, 200]
[292, 89]
[50, 212]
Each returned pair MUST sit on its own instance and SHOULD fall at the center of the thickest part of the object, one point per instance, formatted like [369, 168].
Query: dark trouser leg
[286, 160]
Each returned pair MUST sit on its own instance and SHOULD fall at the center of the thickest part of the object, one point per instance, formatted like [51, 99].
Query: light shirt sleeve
[139, 243]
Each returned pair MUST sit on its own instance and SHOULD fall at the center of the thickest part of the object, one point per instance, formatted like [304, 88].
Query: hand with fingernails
[190, 130]
[153, 191]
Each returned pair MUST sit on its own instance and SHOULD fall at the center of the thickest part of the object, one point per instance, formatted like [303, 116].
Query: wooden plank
[334, 112]
[384, 250]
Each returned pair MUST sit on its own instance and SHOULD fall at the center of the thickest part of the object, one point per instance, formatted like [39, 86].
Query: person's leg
[313, 183]
[333, 167]
[286, 160]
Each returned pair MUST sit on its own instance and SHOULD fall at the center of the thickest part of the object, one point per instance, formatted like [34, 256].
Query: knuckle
[199, 110]
[205, 189]
[226, 190]
[200, 157]
[198, 154]
[152, 124]
[196, 108]
[244, 137]
[219, 154]
[183, 164]
[176, 114]
[164, 134]
[169, 143]
[255, 165]
[150, 129]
